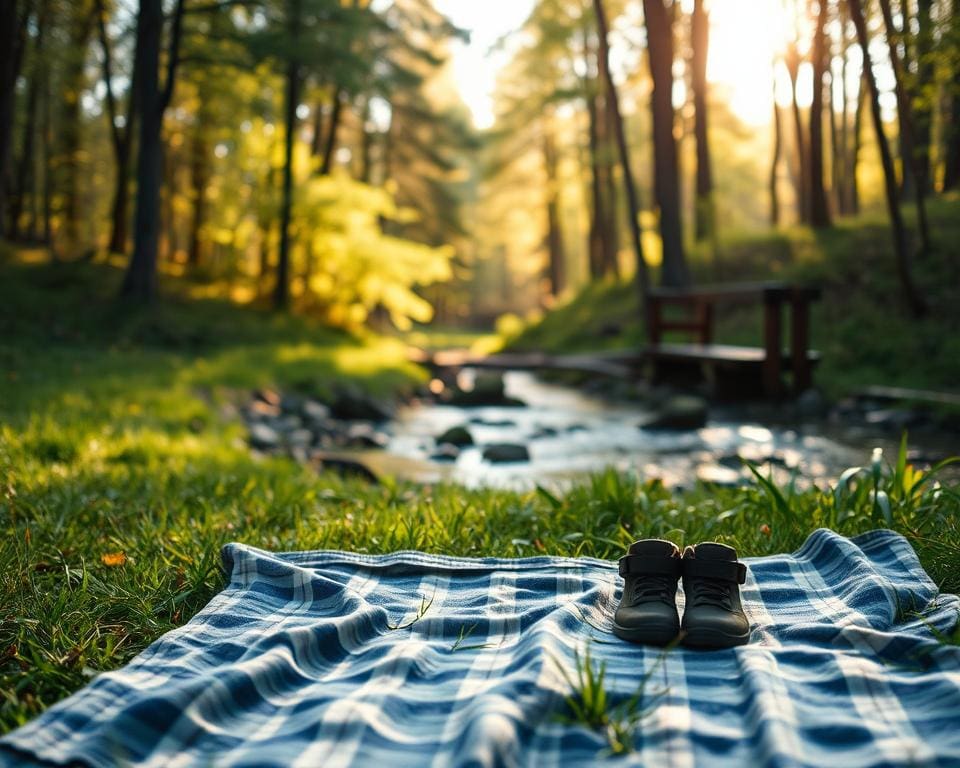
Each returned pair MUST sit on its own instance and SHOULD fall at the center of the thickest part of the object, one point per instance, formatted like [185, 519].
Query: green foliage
[363, 268]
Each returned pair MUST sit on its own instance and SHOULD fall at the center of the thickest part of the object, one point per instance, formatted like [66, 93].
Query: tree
[775, 163]
[633, 198]
[819, 212]
[911, 171]
[140, 280]
[281, 291]
[660, 52]
[121, 137]
[704, 209]
[13, 34]
[911, 295]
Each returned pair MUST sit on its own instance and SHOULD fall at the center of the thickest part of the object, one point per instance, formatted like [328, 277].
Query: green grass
[118, 434]
[864, 334]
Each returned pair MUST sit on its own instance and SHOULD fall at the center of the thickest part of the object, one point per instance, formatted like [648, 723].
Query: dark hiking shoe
[713, 615]
[648, 607]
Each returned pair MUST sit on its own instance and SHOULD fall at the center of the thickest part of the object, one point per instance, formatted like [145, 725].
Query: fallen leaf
[113, 559]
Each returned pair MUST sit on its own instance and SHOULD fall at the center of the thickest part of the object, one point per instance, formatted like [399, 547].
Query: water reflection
[570, 434]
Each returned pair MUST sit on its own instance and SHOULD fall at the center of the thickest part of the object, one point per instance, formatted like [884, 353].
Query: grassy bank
[865, 335]
[123, 469]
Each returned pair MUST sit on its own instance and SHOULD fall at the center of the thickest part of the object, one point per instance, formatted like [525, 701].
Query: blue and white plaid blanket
[332, 658]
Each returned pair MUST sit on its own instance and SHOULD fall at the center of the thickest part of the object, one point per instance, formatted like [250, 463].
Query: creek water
[570, 435]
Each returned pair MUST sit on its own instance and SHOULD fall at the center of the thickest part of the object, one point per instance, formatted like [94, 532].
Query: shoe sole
[646, 635]
[712, 639]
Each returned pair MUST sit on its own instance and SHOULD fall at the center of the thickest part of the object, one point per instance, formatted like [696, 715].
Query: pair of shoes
[713, 617]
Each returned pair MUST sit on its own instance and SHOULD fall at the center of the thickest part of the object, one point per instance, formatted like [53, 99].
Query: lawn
[123, 469]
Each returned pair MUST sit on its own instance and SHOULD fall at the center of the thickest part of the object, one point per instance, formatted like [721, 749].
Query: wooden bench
[697, 319]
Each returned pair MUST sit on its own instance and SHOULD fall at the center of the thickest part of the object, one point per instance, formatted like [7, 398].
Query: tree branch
[173, 56]
[101, 12]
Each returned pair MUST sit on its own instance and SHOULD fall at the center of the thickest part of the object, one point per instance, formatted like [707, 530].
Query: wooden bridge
[734, 372]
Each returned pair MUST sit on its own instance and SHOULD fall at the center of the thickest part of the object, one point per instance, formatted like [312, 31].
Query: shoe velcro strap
[722, 570]
[650, 565]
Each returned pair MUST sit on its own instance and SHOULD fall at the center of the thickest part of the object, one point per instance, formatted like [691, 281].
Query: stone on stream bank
[458, 436]
[679, 412]
[488, 390]
[506, 453]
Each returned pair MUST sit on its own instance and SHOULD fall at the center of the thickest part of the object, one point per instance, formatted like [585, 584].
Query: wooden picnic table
[770, 358]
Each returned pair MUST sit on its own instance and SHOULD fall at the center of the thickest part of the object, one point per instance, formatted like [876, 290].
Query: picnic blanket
[335, 658]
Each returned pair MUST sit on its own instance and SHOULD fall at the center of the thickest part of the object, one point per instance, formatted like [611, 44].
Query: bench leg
[800, 341]
[771, 344]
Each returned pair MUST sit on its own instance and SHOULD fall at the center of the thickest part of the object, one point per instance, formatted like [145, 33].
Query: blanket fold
[335, 658]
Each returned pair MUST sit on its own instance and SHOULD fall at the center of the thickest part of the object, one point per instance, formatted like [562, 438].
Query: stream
[570, 435]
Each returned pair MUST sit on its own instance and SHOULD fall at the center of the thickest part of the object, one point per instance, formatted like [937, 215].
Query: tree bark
[792, 61]
[704, 211]
[597, 240]
[854, 189]
[121, 138]
[281, 292]
[330, 143]
[923, 102]
[819, 211]
[26, 176]
[556, 267]
[611, 230]
[199, 176]
[911, 170]
[774, 165]
[13, 32]
[665, 167]
[911, 296]
[140, 280]
[633, 197]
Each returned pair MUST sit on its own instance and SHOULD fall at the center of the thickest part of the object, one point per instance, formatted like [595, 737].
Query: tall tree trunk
[611, 227]
[951, 127]
[775, 163]
[140, 280]
[836, 151]
[330, 144]
[863, 93]
[665, 165]
[26, 177]
[366, 144]
[556, 267]
[841, 182]
[911, 295]
[598, 215]
[281, 293]
[633, 197]
[121, 138]
[911, 171]
[46, 160]
[199, 176]
[802, 175]
[13, 33]
[704, 211]
[71, 133]
[819, 212]
[924, 98]
[951, 160]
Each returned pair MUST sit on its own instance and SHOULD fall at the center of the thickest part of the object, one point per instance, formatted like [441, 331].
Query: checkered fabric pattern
[333, 658]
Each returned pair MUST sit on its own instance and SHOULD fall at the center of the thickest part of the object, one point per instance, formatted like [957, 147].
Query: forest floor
[123, 469]
[865, 336]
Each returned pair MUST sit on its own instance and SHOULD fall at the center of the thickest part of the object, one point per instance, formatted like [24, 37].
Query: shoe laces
[712, 593]
[653, 588]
